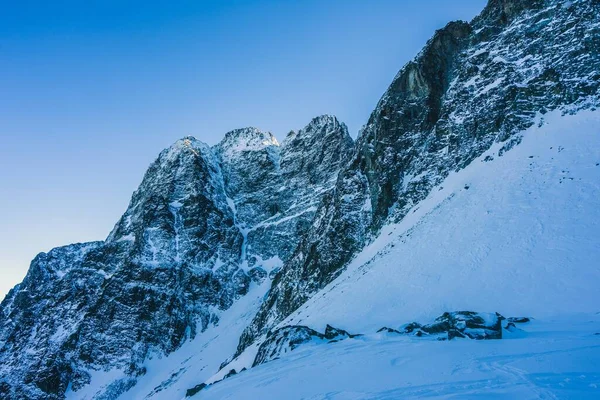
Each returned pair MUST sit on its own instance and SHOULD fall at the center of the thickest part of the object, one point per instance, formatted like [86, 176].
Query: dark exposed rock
[388, 330]
[257, 274]
[461, 324]
[499, 13]
[230, 374]
[455, 333]
[511, 327]
[191, 392]
[413, 326]
[274, 272]
[335, 333]
[512, 321]
[286, 339]
[518, 320]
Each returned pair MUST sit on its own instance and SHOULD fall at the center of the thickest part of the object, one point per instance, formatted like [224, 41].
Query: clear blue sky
[91, 91]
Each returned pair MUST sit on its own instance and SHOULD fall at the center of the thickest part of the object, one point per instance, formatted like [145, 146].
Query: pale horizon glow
[91, 93]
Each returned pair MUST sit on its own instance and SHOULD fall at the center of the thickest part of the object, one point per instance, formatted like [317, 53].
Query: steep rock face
[37, 353]
[310, 160]
[179, 214]
[175, 260]
[471, 86]
[274, 190]
[250, 162]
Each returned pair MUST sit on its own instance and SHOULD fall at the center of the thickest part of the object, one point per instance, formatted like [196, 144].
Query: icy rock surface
[287, 338]
[461, 324]
[473, 85]
[203, 225]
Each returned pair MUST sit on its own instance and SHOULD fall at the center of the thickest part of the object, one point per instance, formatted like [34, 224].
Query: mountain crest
[320, 126]
[503, 12]
[246, 139]
[185, 144]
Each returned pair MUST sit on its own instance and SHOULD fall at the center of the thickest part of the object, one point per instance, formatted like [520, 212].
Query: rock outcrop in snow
[287, 338]
[461, 324]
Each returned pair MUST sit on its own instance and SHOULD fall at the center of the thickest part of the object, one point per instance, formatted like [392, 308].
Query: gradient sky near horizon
[90, 92]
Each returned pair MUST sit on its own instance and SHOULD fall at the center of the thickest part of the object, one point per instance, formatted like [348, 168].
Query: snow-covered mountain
[514, 232]
[205, 226]
[473, 187]
[473, 85]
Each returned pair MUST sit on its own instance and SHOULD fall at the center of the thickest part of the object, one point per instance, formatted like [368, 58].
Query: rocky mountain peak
[246, 139]
[275, 189]
[323, 121]
[187, 144]
[208, 223]
[503, 12]
[324, 141]
[319, 127]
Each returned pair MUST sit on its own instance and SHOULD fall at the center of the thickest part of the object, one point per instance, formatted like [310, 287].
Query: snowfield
[552, 360]
[516, 233]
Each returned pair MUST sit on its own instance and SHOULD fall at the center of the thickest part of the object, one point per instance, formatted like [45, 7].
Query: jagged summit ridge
[323, 124]
[277, 200]
[246, 139]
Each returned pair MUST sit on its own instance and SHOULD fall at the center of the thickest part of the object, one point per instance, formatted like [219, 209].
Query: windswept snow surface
[516, 232]
[555, 359]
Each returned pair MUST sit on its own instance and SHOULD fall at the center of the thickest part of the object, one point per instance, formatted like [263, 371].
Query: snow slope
[517, 232]
[519, 235]
[556, 359]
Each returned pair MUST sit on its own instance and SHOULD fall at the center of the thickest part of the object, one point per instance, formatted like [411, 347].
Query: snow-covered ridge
[473, 86]
[515, 232]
